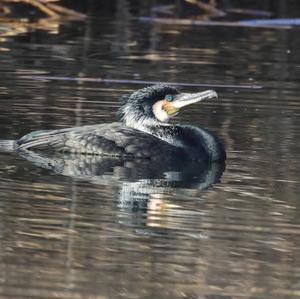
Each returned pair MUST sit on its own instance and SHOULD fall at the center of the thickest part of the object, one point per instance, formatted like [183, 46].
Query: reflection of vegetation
[209, 8]
[197, 8]
[45, 6]
[15, 27]
[18, 24]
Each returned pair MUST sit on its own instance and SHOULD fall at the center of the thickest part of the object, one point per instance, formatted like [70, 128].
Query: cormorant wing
[113, 139]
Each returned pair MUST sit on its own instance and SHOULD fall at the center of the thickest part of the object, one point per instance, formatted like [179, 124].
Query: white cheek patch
[159, 112]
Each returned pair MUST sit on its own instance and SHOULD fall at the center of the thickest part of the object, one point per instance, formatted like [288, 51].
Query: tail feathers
[42, 143]
[40, 140]
[7, 145]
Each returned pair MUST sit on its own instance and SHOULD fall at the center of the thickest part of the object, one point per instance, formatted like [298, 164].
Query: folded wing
[106, 139]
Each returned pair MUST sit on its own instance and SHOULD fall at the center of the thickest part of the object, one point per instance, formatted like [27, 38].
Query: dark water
[120, 232]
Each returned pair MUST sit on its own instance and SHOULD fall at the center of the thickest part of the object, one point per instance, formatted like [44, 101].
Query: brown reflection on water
[70, 238]
[67, 237]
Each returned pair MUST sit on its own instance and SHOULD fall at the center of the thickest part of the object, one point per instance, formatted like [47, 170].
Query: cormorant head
[156, 104]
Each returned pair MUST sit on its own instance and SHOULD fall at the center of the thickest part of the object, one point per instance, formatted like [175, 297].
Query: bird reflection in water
[143, 152]
[145, 188]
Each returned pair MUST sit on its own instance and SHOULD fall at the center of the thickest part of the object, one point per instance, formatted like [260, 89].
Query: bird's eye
[169, 98]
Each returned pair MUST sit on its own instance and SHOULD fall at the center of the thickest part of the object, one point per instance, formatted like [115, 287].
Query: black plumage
[138, 134]
[113, 139]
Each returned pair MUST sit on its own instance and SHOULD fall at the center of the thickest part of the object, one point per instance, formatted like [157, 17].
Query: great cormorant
[143, 131]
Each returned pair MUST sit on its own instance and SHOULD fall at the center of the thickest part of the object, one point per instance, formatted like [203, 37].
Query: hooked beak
[185, 99]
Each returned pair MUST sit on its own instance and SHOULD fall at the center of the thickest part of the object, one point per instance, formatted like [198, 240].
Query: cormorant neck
[161, 130]
[145, 124]
[196, 142]
[141, 123]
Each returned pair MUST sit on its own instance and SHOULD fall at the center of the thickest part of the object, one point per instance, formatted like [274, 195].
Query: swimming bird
[143, 131]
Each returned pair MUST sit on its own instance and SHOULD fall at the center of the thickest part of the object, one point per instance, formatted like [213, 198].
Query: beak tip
[213, 95]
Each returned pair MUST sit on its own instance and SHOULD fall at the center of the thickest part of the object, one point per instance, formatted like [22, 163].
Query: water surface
[121, 233]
